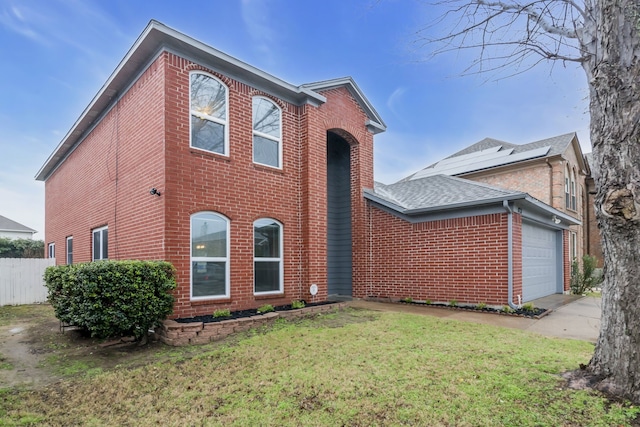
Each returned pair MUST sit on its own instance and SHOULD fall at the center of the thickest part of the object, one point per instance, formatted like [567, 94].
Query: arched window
[208, 106]
[267, 132]
[574, 202]
[209, 255]
[567, 186]
[267, 256]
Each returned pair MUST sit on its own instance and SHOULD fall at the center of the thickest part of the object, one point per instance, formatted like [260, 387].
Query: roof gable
[157, 38]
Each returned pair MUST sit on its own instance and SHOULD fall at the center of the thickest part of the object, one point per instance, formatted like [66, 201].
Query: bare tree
[603, 36]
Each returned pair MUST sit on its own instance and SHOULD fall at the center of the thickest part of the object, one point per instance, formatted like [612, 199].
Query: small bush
[266, 309]
[590, 277]
[481, 306]
[529, 307]
[112, 298]
[297, 304]
[453, 303]
[428, 302]
[507, 309]
[223, 312]
[407, 299]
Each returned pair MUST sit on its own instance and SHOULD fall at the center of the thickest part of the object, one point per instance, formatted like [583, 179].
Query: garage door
[540, 261]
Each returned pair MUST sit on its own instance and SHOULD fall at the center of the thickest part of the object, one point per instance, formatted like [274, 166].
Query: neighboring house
[259, 191]
[14, 230]
[592, 244]
[552, 170]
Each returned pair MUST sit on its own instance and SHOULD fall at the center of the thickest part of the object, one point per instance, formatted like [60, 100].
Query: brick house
[259, 191]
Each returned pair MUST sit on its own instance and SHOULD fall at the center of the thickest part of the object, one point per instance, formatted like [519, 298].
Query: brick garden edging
[179, 334]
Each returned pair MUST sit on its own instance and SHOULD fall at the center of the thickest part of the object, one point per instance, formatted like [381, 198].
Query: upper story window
[567, 191]
[208, 106]
[267, 253]
[209, 256]
[574, 204]
[100, 243]
[267, 132]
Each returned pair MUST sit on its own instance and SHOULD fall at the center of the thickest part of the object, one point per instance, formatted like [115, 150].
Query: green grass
[347, 368]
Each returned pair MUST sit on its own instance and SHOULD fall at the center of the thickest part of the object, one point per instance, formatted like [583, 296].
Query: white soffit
[480, 160]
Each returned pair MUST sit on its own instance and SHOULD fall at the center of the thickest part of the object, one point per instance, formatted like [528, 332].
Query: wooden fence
[21, 280]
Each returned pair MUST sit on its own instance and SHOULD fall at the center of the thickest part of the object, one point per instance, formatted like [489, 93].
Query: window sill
[209, 155]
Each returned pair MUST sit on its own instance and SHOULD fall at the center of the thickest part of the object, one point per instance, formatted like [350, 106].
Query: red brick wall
[463, 259]
[106, 180]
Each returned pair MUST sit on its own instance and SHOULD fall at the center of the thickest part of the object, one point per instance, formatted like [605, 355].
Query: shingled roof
[7, 224]
[489, 153]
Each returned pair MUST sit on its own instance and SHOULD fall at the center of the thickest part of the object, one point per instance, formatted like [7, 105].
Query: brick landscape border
[180, 334]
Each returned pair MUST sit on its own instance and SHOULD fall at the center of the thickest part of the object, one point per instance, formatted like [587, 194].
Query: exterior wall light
[154, 191]
[556, 220]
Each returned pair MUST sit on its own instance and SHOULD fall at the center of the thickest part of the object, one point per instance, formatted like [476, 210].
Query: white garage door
[540, 262]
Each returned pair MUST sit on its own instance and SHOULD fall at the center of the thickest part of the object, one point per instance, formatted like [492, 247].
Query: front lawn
[356, 368]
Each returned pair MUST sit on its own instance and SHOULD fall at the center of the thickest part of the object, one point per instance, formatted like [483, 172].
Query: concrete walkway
[571, 316]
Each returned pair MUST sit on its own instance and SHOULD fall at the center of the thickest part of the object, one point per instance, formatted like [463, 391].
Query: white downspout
[505, 204]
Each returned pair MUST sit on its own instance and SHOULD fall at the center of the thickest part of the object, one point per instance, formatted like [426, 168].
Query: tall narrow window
[100, 243]
[567, 193]
[267, 244]
[208, 107]
[52, 250]
[574, 204]
[209, 256]
[573, 245]
[70, 250]
[267, 135]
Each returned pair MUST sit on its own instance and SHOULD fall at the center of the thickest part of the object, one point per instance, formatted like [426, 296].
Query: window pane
[96, 245]
[208, 236]
[207, 135]
[267, 276]
[69, 251]
[208, 278]
[266, 239]
[266, 117]
[105, 244]
[208, 96]
[265, 151]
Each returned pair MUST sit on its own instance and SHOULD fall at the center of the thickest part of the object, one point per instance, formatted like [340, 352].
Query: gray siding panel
[339, 255]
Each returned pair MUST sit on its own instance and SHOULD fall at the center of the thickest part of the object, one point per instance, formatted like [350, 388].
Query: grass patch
[347, 368]
[33, 312]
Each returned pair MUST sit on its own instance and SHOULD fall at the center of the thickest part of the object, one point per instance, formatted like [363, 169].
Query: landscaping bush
[587, 279]
[112, 298]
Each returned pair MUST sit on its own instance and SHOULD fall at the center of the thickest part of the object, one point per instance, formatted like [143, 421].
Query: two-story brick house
[259, 191]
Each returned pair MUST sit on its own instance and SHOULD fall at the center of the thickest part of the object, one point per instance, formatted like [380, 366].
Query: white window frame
[51, 250]
[101, 256]
[573, 245]
[574, 195]
[280, 259]
[567, 191]
[226, 259]
[69, 253]
[202, 116]
[266, 136]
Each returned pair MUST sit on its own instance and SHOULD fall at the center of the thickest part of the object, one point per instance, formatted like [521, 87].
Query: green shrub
[407, 299]
[266, 309]
[481, 306]
[590, 277]
[223, 312]
[529, 307]
[507, 309]
[453, 303]
[297, 304]
[112, 298]
[428, 302]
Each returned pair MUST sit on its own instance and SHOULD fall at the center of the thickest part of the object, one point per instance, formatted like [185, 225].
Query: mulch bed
[536, 313]
[244, 313]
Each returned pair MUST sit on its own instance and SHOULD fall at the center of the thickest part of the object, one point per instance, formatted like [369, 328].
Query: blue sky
[56, 54]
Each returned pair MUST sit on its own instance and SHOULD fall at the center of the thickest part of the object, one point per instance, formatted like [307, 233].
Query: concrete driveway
[571, 317]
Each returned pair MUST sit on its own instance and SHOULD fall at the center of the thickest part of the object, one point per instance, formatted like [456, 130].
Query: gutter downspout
[505, 204]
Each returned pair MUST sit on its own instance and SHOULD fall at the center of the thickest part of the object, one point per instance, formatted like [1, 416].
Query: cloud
[394, 99]
[13, 19]
[255, 15]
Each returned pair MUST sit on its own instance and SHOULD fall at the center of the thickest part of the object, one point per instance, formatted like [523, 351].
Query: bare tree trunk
[612, 37]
